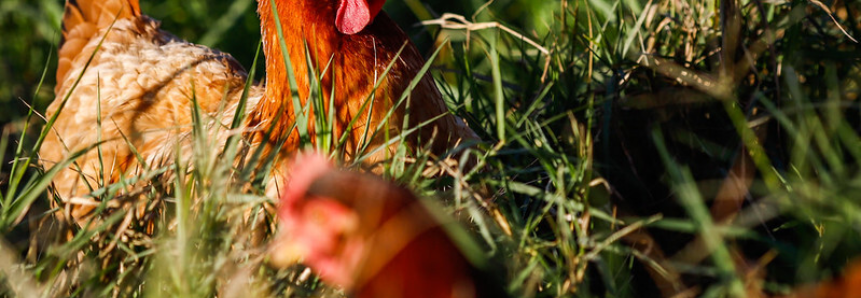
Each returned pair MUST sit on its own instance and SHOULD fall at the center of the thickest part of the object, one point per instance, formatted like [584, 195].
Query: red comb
[354, 15]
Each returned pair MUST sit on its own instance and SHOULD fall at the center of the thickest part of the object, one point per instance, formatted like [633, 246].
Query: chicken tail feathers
[83, 19]
[96, 14]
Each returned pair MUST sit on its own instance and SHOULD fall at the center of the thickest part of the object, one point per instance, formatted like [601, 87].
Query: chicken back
[124, 82]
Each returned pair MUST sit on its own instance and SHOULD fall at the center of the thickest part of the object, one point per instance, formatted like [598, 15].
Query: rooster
[371, 237]
[125, 84]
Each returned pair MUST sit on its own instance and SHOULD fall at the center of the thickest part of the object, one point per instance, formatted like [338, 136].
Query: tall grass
[632, 148]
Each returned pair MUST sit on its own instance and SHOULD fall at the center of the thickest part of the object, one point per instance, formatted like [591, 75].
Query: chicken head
[312, 229]
[372, 237]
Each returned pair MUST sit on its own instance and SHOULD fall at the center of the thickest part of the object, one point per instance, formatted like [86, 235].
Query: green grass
[641, 149]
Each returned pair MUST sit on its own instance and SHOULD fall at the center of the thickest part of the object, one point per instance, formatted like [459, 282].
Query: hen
[361, 41]
[125, 82]
[371, 237]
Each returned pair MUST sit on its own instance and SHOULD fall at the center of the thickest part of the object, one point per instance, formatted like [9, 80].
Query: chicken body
[137, 93]
[373, 238]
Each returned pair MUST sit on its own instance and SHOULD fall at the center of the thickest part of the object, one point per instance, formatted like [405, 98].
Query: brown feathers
[135, 96]
[82, 19]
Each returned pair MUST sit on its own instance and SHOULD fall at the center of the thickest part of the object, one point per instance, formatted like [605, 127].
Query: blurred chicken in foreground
[847, 286]
[371, 237]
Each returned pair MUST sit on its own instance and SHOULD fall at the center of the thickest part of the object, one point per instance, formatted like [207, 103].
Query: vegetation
[633, 148]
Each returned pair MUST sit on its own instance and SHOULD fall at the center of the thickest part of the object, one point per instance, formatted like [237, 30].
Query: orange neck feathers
[301, 21]
[322, 25]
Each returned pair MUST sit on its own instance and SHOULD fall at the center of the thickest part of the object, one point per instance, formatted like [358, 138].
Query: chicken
[361, 41]
[125, 82]
[371, 237]
[846, 286]
[135, 95]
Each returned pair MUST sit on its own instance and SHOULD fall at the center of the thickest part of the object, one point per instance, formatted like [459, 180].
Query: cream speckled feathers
[141, 79]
